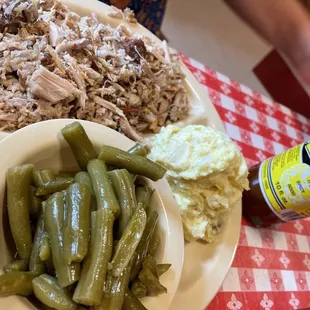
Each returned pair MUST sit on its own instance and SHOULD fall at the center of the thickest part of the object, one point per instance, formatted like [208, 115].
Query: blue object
[149, 13]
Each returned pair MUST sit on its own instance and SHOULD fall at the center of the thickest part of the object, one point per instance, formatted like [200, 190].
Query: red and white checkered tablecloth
[271, 269]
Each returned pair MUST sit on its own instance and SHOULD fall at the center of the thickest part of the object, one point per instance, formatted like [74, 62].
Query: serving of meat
[56, 64]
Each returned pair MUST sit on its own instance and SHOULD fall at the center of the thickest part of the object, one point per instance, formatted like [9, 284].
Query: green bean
[125, 193]
[41, 177]
[154, 288]
[77, 225]
[83, 177]
[18, 197]
[46, 254]
[138, 149]
[16, 265]
[154, 244]
[115, 289]
[143, 246]
[133, 177]
[143, 195]
[105, 195]
[53, 187]
[61, 178]
[162, 268]
[138, 289]
[150, 263]
[53, 218]
[133, 163]
[36, 266]
[128, 243]
[16, 283]
[48, 291]
[89, 290]
[79, 143]
[131, 302]
[45, 248]
[35, 203]
[93, 217]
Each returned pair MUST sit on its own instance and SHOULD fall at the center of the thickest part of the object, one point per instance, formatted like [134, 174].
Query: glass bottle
[279, 188]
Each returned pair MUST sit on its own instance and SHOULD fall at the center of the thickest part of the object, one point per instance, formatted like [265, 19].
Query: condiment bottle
[279, 188]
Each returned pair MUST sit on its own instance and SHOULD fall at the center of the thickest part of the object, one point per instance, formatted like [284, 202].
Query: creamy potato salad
[207, 173]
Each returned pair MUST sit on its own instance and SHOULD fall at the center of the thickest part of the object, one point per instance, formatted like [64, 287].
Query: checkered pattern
[271, 269]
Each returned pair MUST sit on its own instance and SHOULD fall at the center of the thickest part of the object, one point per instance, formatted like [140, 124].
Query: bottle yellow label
[285, 183]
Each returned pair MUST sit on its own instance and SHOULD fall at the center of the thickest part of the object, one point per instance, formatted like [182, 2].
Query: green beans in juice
[128, 243]
[18, 199]
[138, 289]
[35, 203]
[131, 302]
[90, 288]
[16, 283]
[133, 177]
[154, 288]
[133, 163]
[53, 219]
[154, 244]
[150, 263]
[77, 224]
[61, 178]
[83, 177]
[45, 248]
[36, 265]
[53, 187]
[163, 268]
[105, 195]
[16, 265]
[138, 149]
[41, 177]
[125, 193]
[49, 292]
[79, 143]
[143, 246]
[143, 196]
[115, 289]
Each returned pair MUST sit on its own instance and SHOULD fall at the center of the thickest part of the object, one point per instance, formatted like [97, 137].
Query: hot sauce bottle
[279, 188]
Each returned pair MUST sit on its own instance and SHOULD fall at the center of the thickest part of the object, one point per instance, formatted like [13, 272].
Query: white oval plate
[205, 266]
[43, 145]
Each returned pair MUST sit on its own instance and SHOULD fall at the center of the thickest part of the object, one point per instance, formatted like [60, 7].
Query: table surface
[271, 269]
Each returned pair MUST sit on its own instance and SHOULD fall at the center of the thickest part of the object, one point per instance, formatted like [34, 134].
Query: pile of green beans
[84, 240]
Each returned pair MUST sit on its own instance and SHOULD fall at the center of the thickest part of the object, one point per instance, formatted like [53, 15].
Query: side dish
[85, 239]
[206, 172]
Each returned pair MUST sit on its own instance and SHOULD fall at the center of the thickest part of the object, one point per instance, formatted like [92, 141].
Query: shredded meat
[135, 49]
[57, 64]
[51, 87]
[13, 13]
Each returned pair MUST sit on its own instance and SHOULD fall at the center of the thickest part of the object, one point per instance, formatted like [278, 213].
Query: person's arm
[283, 23]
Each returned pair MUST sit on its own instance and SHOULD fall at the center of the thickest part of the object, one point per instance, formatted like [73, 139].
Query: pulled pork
[56, 64]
